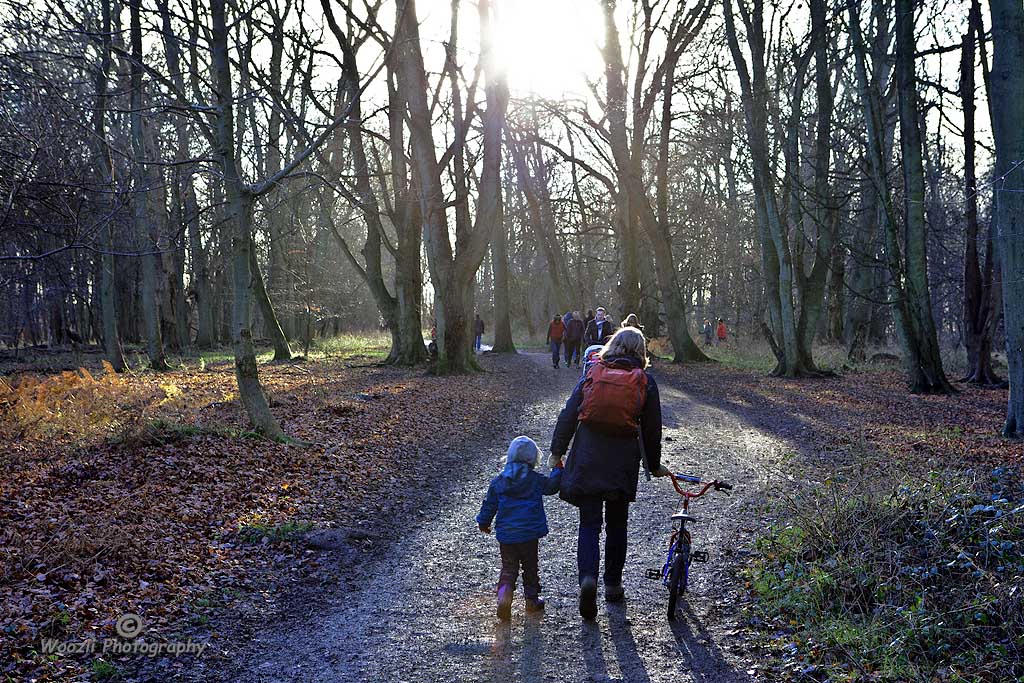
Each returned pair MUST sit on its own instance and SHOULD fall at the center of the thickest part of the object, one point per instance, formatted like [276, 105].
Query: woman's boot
[588, 597]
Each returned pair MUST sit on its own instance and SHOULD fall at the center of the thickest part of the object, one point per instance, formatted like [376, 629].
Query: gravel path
[423, 611]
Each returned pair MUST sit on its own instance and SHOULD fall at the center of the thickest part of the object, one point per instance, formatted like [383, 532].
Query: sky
[546, 46]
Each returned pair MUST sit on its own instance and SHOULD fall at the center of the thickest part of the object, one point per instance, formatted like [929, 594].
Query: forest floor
[160, 504]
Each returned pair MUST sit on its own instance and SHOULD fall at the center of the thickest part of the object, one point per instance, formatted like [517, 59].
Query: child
[517, 496]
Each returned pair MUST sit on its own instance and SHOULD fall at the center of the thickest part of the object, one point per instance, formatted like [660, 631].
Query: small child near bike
[516, 497]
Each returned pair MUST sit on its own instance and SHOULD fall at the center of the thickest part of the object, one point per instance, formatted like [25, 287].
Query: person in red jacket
[721, 333]
[556, 330]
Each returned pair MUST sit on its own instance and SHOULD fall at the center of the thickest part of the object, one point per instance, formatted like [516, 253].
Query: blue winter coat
[519, 505]
[600, 465]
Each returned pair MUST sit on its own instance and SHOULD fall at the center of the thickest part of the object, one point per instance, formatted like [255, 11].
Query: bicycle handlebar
[691, 479]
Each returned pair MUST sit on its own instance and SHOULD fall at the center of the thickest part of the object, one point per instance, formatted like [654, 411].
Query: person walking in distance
[721, 333]
[478, 332]
[708, 332]
[573, 338]
[633, 321]
[556, 331]
[600, 329]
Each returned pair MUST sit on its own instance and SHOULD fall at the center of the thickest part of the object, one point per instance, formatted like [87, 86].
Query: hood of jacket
[520, 460]
[623, 361]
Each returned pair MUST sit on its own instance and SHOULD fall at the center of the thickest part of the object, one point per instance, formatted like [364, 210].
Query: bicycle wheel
[678, 577]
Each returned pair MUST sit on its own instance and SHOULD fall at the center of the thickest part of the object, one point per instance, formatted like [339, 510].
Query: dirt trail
[423, 611]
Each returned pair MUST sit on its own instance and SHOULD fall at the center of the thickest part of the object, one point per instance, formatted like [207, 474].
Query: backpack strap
[643, 451]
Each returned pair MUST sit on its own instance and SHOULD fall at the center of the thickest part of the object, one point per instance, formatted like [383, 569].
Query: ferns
[78, 405]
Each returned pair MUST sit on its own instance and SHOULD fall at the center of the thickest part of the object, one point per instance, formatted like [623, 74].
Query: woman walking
[613, 404]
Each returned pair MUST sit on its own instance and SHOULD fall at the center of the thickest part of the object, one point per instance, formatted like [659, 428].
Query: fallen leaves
[94, 523]
[860, 414]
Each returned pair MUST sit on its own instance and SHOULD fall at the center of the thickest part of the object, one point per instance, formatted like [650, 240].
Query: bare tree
[981, 291]
[921, 344]
[146, 221]
[452, 270]
[627, 155]
[111, 334]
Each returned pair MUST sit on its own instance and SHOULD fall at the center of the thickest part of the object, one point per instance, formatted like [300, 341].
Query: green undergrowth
[369, 345]
[350, 346]
[921, 583]
[163, 431]
[285, 531]
[754, 354]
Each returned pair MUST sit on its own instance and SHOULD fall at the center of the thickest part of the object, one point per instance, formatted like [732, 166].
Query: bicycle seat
[683, 517]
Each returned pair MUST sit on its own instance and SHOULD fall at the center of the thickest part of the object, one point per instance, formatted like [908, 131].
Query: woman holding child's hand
[613, 413]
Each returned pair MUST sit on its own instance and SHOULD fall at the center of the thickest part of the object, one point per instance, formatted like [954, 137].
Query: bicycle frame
[681, 535]
[677, 534]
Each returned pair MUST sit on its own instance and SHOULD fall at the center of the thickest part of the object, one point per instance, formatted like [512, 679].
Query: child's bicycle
[675, 574]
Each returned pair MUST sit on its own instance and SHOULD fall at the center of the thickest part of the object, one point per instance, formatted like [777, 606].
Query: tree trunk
[409, 232]
[240, 201]
[862, 266]
[538, 205]
[628, 285]
[921, 340]
[451, 272]
[825, 214]
[979, 311]
[176, 277]
[278, 279]
[777, 257]
[502, 314]
[282, 351]
[401, 311]
[631, 188]
[837, 295]
[108, 302]
[1008, 91]
[199, 278]
[142, 212]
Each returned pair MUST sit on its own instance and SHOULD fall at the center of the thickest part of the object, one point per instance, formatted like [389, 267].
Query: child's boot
[505, 602]
[534, 603]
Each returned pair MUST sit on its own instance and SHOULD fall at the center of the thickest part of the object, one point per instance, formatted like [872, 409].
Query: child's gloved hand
[485, 529]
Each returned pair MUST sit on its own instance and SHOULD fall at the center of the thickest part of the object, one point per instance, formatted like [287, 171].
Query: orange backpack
[613, 398]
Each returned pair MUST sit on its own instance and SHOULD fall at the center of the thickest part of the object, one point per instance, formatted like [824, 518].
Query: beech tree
[794, 298]
[452, 270]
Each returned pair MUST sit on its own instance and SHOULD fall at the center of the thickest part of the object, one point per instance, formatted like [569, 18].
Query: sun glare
[549, 46]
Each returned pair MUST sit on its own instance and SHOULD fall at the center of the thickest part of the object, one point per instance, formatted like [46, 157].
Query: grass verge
[921, 583]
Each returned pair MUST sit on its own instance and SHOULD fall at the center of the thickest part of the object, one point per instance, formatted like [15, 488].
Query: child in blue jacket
[516, 495]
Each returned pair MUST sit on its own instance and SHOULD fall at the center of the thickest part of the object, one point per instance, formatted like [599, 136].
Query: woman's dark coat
[599, 464]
